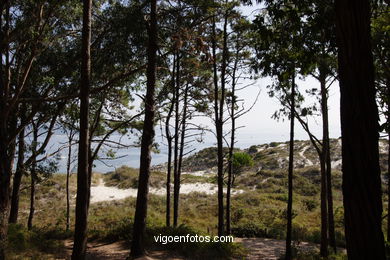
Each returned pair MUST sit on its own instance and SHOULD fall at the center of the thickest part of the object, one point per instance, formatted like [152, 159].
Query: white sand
[302, 154]
[198, 173]
[336, 164]
[103, 193]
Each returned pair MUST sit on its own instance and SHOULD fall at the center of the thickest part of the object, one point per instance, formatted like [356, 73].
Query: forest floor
[116, 251]
[257, 248]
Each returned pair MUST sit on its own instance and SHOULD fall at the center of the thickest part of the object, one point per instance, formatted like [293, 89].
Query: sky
[261, 128]
[255, 127]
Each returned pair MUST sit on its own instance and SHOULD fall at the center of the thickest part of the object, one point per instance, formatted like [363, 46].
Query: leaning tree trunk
[328, 165]
[290, 171]
[137, 245]
[359, 130]
[82, 200]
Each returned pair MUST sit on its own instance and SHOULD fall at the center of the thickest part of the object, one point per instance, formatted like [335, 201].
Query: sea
[130, 156]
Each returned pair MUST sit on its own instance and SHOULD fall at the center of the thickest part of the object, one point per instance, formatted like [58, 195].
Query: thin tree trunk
[82, 200]
[290, 171]
[168, 185]
[137, 245]
[230, 168]
[68, 165]
[324, 209]
[388, 160]
[33, 176]
[230, 176]
[169, 141]
[32, 196]
[328, 165]
[323, 155]
[231, 148]
[181, 151]
[13, 217]
[176, 147]
[218, 107]
[359, 129]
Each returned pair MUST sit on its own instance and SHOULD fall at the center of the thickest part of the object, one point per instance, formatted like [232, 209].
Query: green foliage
[241, 160]
[36, 242]
[249, 230]
[127, 177]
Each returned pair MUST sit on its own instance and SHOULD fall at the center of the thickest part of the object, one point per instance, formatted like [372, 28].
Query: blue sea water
[131, 156]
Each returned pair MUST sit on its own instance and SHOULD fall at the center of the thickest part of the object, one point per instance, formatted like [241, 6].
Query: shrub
[249, 230]
[310, 204]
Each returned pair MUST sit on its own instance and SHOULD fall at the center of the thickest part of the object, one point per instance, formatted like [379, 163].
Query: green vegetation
[258, 212]
[126, 177]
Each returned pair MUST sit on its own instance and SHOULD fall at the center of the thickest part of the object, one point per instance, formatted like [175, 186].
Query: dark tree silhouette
[137, 245]
[290, 171]
[359, 129]
[83, 186]
[13, 216]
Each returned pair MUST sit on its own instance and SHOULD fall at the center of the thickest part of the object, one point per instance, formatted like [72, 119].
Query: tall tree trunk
[359, 130]
[168, 184]
[33, 176]
[328, 165]
[290, 171]
[230, 164]
[5, 171]
[388, 160]
[137, 245]
[169, 141]
[230, 178]
[181, 150]
[324, 209]
[5, 157]
[219, 107]
[68, 172]
[82, 200]
[13, 217]
[32, 196]
[176, 181]
[231, 148]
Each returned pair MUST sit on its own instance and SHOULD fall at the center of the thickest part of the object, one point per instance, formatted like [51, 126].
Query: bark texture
[137, 245]
[290, 172]
[82, 200]
[359, 129]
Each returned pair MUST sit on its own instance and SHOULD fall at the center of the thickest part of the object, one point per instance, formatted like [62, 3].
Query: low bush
[249, 230]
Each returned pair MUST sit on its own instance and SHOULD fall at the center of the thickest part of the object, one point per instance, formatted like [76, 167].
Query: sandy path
[104, 193]
[115, 251]
[270, 249]
[302, 154]
[257, 248]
